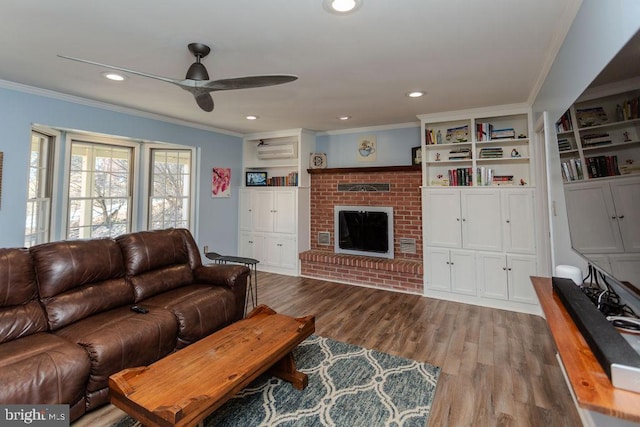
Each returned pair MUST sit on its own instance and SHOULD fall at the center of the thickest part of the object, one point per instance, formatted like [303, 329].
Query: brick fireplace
[404, 272]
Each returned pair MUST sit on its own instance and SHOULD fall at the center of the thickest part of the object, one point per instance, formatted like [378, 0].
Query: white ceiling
[464, 53]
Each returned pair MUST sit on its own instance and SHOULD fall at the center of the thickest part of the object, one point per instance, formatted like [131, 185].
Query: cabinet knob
[250, 241]
[508, 221]
[464, 219]
[621, 216]
[458, 219]
[509, 268]
[448, 263]
[504, 268]
[613, 217]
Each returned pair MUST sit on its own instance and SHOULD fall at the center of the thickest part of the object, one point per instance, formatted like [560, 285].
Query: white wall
[20, 108]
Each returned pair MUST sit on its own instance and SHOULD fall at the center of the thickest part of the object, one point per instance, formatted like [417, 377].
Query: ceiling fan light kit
[197, 78]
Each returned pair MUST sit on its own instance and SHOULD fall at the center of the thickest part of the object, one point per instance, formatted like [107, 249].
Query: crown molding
[19, 87]
[370, 129]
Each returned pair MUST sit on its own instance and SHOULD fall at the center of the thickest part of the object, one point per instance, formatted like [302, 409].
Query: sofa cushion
[200, 310]
[120, 338]
[20, 311]
[79, 278]
[43, 369]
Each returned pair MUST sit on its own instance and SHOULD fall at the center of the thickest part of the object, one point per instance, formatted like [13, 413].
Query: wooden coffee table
[188, 385]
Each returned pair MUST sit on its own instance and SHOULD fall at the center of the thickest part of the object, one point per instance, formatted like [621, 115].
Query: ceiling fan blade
[247, 82]
[126, 70]
[205, 101]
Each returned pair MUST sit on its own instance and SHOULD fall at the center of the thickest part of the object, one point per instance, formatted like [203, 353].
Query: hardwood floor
[498, 367]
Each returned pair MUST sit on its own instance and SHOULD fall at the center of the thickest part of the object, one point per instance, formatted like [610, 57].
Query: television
[364, 230]
[606, 239]
[255, 179]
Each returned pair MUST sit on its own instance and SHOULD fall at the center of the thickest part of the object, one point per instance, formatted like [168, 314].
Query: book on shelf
[460, 177]
[596, 139]
[460, 154]
[602, 166]
[502, 180]
[484, 176]
[483, 131]
[291, 180]
[564, 144]
[564, 124]
[572, 170]
[591, 116]
[432, 138]
[506, 133]
[491, 153]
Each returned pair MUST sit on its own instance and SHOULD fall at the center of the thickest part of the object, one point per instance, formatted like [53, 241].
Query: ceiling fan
[197, 79]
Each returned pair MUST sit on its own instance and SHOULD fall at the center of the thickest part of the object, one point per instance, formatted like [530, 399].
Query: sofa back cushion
[79, 278]
[20, 311]
[155, 261]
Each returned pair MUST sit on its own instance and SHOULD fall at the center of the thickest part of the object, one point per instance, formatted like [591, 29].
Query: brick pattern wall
[405, 199]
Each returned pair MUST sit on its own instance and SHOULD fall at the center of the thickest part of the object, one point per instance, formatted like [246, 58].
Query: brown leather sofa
[66, 322]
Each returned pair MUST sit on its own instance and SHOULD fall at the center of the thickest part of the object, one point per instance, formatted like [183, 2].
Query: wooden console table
[591, 386]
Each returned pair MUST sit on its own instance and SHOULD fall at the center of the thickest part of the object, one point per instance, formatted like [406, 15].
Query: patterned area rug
[348, 386]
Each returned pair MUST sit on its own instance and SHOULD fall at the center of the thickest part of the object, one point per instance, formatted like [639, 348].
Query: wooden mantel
[591, 385]
[368, 169]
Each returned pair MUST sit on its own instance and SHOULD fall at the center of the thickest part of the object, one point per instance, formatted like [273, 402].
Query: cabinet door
[245, 209]
[626, 197]
[625, 267]
[285, 211]
[438, 269]
[463, 272]
[441, 216]
[519, 270]
[518, 222]
[248, 247]
[492, 276]
[481, 223]
[263, 210]
[593, 222]
[280, 251]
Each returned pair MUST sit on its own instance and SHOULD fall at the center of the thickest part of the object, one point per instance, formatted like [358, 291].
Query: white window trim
[146, 188]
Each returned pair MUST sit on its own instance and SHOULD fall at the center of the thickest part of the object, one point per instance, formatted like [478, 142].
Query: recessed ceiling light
[252, 117]
[341, 7]
[415, 94]
[114, 76]
[344, 118]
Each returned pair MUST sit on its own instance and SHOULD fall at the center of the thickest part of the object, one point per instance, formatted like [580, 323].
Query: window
[170, 189]
[38, 218]
[100, 190]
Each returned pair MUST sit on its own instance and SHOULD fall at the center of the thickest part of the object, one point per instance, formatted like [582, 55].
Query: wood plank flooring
[498, 367]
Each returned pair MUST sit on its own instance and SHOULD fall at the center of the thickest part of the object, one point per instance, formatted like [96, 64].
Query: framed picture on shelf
[416, 155]
[317, 160]
[255, 179]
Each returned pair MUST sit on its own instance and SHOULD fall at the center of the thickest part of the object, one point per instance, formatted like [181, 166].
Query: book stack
[572, 170]
[483, 131]
[502, 180]
[430, 136]
[506, 133]
[564, 144]
[595, 139]
[564, 124]
[460, 154]
[491, 153]
[291, 180]
[460, 177]
[601, 166]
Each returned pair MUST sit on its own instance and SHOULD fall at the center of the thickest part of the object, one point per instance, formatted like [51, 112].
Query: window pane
[170, 189]
[99, 190]
[38, 190]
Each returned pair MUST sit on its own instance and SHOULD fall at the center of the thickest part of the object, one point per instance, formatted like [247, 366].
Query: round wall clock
[317, 161]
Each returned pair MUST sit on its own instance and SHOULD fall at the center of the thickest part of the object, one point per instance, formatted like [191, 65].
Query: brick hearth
[404, 272]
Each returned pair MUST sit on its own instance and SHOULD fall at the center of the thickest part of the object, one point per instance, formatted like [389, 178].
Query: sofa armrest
[230, 275]
[233, 276]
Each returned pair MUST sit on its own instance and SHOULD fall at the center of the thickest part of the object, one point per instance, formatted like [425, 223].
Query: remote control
[139, 309]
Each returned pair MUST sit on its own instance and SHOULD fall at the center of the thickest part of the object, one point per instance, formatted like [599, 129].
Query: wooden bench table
[185, 387]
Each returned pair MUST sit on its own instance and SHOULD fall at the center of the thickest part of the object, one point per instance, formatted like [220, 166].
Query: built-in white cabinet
[506, 277]
[480, 245]
[604, 215]
[451, 270]
[274, 212]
